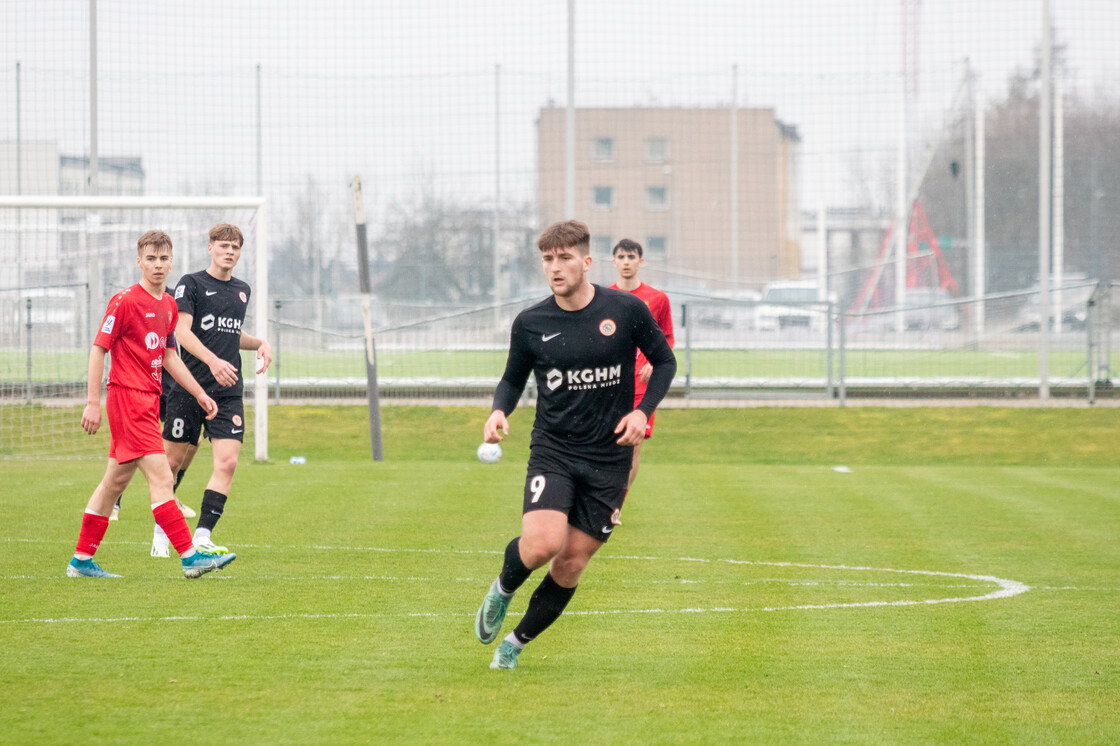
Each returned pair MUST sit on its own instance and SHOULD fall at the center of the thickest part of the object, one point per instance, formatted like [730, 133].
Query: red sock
[171, 520]
[93, 531]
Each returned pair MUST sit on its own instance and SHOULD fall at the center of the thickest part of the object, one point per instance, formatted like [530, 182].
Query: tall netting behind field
[885, 153]
[58, 269]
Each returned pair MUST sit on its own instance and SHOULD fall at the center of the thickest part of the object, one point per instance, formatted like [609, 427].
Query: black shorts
[184, 420]
[585, 493]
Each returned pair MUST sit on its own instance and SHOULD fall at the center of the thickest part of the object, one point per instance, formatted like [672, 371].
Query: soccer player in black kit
[212, 305]
[580, 344]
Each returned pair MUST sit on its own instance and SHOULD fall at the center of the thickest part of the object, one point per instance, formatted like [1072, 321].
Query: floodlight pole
[371, 352]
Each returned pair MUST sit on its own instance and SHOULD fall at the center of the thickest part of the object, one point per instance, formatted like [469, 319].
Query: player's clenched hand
[264, 354]
[208, 405]
[91, 418]
[632, 428]
[496, 427]
[224, 373]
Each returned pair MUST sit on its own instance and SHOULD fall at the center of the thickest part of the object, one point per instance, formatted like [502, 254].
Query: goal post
[49, 243]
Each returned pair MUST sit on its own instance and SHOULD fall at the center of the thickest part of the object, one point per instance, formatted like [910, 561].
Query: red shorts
[638, 394]
[133, 424]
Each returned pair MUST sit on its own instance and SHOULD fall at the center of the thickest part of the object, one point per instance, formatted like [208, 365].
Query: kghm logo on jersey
[584, 379]
[230, 326]
[607, 327]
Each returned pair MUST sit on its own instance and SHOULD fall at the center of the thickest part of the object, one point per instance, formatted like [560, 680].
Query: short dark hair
[159, 239]
[628, 246]
[226, 232]
[566, 234]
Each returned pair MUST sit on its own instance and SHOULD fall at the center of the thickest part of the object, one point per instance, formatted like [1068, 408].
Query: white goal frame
[260, 287]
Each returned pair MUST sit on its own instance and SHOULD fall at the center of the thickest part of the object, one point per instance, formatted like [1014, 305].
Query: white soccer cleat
[205, 545]
[161, 545]
[116, 512]
[187, 511]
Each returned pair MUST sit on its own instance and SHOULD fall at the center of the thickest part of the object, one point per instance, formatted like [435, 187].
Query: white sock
[201, 534]
[158, 533]
[512, 640]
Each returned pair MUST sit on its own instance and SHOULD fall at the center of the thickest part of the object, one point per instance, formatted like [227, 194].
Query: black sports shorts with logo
[587, 494]
[184, 420]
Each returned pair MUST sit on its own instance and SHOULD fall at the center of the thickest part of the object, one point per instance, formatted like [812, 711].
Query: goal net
[61, 260]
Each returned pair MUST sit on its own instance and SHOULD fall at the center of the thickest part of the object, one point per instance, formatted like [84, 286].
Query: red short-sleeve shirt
[136, 330]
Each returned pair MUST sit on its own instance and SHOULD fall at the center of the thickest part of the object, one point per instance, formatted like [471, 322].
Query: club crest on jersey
[236, 420]
[607, 327]
[244, 298]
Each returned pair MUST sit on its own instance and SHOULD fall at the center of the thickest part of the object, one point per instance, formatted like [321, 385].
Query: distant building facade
[663, 177]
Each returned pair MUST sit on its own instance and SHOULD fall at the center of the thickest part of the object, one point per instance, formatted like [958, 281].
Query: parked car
[930, 308]
[791, 304]
[1075, 311]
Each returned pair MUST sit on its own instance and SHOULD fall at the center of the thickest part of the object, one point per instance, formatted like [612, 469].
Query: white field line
[1004, 589]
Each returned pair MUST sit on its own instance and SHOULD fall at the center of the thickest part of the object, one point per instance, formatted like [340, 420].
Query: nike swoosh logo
[211, 292]
[546, 337]
[606, 530]
[235, 431]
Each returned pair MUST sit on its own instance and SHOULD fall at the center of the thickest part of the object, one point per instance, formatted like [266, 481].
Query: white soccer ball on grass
[489, 453]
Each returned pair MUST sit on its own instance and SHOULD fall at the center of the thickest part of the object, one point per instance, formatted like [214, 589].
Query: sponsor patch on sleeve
[179, 291]
[107, 327]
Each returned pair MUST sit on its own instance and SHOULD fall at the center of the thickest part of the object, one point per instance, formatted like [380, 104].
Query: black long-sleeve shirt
[584, 366]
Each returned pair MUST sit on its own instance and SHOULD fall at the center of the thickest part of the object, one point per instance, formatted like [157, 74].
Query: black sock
[178, 478]
[545, 607]
[212, 505]
[514, 572]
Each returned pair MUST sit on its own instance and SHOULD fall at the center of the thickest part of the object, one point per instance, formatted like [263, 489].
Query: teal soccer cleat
[506, 655]
[202, 562]
[86, 568]
[488, 620]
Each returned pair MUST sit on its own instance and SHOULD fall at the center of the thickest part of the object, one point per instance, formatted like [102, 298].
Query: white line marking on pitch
[1005, 589]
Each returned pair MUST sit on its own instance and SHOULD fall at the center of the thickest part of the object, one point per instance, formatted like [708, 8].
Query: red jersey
[136, 330]
[662, 312]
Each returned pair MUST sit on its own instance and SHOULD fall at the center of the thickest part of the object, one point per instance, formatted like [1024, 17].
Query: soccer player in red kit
[138, 332]
[627, 259]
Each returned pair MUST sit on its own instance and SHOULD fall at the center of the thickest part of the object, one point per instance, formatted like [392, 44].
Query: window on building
[657, 149]
[655, 248]
[657, 198]
[602, 149]
[601, 246]
[602, 197]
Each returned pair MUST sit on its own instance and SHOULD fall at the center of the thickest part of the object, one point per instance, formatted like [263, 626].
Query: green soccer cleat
[488, 620]
[206, 545]
[86, 568]
[200, 563]
[506, 655]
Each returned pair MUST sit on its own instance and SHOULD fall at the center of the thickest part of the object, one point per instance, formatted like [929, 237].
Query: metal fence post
[276, 348]
[28, 351]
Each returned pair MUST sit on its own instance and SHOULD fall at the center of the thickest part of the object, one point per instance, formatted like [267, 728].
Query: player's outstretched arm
[496, 427]
[224, 373]
[91, 415]
[264, 350]
[632, 428]
[179, 371]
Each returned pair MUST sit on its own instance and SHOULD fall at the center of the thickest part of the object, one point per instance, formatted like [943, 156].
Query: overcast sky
[404, 93]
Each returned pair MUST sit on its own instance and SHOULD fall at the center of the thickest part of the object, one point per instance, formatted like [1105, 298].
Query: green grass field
[959, 585]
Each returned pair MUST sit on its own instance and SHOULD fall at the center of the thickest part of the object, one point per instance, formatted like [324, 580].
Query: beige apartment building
[663, 177]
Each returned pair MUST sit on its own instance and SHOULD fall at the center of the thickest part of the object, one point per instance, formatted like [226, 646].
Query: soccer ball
[489, 453]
